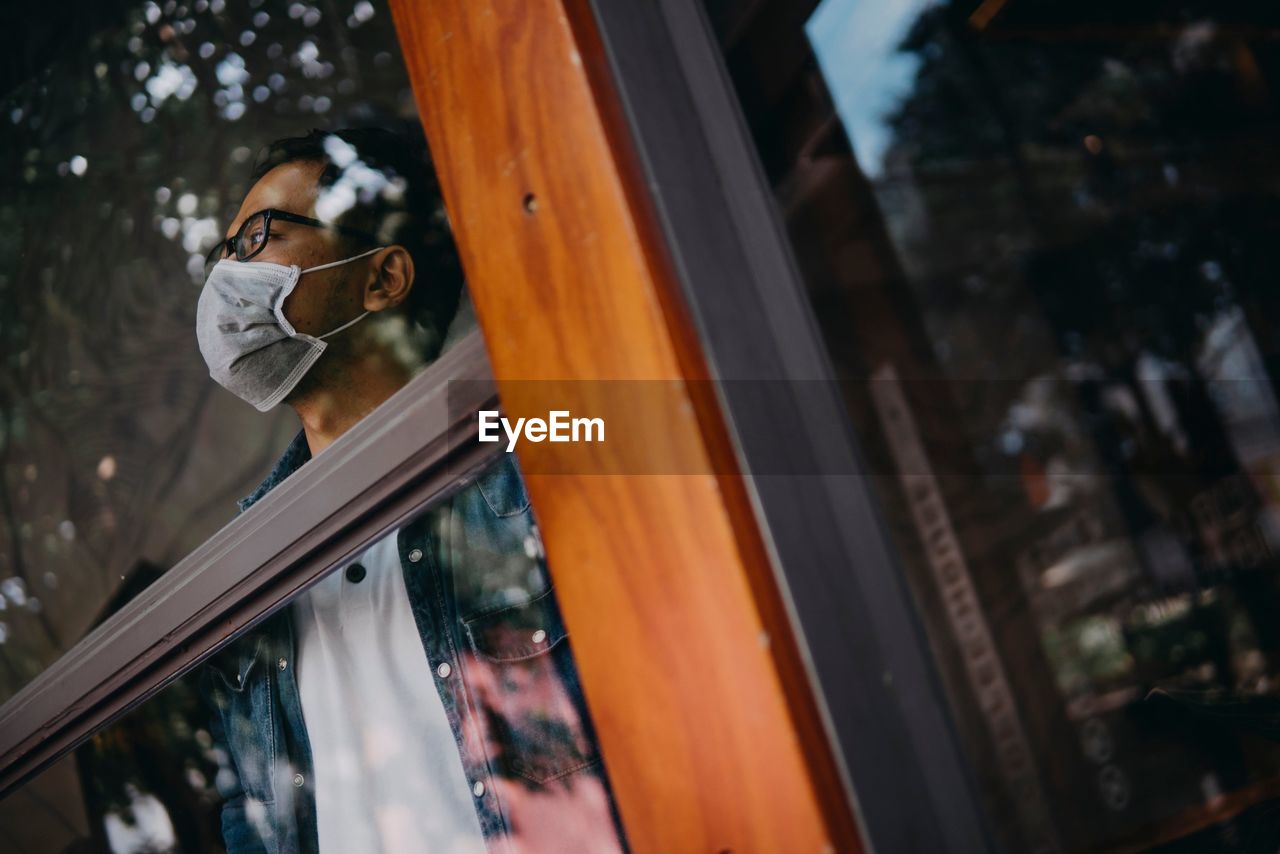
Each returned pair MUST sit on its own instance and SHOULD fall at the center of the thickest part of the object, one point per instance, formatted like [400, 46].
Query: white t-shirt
[387, 772]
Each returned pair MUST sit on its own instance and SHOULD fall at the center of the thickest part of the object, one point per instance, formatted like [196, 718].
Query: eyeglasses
[253, 234]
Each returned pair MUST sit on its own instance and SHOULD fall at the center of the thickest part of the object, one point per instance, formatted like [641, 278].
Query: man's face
[322, 300]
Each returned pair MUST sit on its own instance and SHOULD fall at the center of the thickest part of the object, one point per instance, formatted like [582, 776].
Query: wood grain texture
[710, 735]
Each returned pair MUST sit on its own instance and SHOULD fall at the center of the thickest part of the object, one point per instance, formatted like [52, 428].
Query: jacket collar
[294, 456]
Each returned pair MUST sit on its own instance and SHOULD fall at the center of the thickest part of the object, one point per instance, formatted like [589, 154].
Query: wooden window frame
[711, 716]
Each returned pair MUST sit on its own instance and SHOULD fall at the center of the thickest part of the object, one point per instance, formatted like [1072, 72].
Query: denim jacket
[483, 602]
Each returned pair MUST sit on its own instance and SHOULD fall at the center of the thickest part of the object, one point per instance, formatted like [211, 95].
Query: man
[424, 696]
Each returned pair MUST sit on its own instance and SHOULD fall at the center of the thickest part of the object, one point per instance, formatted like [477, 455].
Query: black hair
[391, 192]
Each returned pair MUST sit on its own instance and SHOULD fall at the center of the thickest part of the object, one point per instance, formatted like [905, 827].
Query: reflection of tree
[1108, 173]
[124, 158]
[160, 751]
[17, 553]
[1091, 186]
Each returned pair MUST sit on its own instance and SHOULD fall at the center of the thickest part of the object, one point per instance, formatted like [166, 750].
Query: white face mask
[249, 345]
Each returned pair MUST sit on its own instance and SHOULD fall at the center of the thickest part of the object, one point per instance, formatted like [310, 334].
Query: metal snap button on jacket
[415, 555]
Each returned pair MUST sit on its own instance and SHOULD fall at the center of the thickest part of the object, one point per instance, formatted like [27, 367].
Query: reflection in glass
[422, 696]
[127, 151]
[144, 784]
[1038, 238]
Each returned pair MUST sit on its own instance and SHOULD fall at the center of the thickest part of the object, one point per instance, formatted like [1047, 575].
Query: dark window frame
[884, 705]
[414, 448]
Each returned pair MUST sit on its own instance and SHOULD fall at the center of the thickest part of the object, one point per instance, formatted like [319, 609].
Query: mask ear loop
[342, 261]
[351, 322]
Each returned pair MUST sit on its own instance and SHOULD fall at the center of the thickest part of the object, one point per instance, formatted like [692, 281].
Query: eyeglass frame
[231, 244]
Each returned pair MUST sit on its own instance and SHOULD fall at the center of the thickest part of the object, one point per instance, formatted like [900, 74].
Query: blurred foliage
[124, 156]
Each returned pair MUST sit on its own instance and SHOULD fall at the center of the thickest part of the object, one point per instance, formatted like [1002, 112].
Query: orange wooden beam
[710, 733]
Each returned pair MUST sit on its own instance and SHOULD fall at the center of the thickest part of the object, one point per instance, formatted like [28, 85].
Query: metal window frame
[415, 447]
[869, 662]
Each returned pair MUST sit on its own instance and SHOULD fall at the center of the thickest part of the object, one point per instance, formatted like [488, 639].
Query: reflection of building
[1074, 334]
[860, 292]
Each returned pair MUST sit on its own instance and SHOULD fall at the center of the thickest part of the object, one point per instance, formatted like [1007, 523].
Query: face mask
[249, 345]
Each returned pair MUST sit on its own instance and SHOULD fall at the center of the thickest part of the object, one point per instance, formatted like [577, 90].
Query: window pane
[125, 436]
[1035, 236]
[422, 696]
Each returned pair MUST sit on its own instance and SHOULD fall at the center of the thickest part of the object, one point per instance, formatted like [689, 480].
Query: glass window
[420, 696]
[1035, 236]
[130, 151]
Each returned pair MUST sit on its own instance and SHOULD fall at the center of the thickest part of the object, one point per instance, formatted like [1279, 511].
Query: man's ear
[392, 279]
